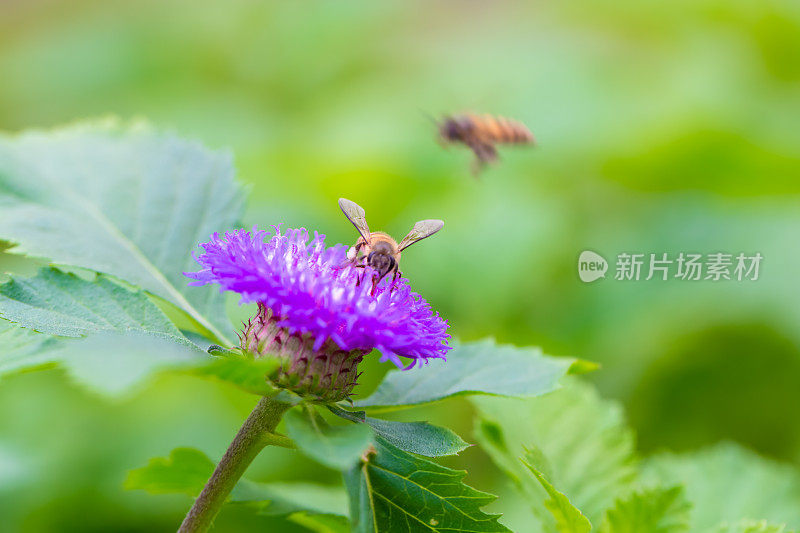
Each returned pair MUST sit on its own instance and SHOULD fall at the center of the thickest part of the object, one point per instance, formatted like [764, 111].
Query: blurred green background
[662, 127]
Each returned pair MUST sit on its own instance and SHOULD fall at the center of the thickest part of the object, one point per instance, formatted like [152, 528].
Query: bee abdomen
[510, 131]
[501, 130]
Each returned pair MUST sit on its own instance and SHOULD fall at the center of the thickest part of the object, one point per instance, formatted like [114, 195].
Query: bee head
[381, 260]
[450, 130]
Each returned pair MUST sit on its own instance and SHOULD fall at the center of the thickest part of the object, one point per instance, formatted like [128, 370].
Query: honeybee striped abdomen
[502, 130]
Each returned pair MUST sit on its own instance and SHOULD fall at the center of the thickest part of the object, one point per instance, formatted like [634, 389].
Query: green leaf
[337, 447]
[128, 336]
[752, 526]
[58, 303]
[187, 470]
[290, 497]
[321, 523]
[397, 491]
[585, 448]
[472, 368]
[568, 518]
[23, 349]
[241, 370]
[118, 320]
[107, 362]
[659, 510]
[111, 362]
[123, 200]
[415, 437]
[754, 488]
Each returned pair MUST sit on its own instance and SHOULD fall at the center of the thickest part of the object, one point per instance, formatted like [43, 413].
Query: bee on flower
[313, 313]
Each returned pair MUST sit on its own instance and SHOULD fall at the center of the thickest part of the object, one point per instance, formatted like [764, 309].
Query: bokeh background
[662, 127]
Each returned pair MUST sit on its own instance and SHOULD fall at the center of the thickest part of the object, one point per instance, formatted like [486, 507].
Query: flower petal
[315, 291]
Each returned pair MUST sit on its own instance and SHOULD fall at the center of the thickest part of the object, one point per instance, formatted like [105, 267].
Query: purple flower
[312, 292]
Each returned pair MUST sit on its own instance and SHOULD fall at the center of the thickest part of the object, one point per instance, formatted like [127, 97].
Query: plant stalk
[254, 435]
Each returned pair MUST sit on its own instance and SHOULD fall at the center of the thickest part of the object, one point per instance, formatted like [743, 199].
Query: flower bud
[327, 373]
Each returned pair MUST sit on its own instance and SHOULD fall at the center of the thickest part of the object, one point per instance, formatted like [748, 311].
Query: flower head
[312, 293]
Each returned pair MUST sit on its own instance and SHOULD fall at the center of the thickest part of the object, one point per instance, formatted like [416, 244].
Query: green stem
[255, 434]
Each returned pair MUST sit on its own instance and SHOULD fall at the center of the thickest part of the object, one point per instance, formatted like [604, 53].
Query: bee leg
[375, 280]
[477, 167]
[359, 279]
[484, 153]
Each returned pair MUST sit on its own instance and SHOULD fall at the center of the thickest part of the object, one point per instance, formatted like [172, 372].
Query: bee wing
[422, 229]
[356, 215]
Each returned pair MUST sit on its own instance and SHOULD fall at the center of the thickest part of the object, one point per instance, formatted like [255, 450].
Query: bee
[377, 249]
[482, 133]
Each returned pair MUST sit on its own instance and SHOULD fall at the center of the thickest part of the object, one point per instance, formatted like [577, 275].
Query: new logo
[591, 266]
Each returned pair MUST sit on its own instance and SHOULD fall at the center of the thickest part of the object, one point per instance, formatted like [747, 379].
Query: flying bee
[482, 133]
[377, 249]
